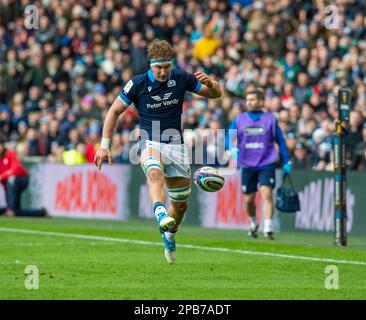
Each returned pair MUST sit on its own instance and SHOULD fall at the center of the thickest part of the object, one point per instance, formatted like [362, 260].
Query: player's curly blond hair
[160, 49]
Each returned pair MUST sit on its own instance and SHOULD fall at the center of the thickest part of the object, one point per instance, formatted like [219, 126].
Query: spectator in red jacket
[14, 178]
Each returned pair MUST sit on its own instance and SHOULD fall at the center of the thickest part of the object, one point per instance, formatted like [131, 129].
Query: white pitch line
[187, 246]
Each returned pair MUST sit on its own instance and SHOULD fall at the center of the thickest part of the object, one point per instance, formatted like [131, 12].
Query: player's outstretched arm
[104, 154]
[211, 88]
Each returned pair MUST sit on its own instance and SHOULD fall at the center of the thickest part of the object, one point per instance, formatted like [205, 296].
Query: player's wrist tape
[105, 143]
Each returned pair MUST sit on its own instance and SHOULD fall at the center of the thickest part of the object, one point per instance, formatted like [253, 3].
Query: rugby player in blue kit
[158, 96]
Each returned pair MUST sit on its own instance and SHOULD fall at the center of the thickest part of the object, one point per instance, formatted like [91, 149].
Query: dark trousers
[14, 188]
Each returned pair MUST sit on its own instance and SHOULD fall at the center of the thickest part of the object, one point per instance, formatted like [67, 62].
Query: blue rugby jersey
[157, 101]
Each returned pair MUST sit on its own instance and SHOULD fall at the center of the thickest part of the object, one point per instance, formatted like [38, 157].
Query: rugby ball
[209, 179]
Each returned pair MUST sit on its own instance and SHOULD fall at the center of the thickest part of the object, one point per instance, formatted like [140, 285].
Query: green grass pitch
[86, 259]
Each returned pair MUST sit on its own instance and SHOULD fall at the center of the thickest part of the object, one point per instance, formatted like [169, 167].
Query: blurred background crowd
[58, 81]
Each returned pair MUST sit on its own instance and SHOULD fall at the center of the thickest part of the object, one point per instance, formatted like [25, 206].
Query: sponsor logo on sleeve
[128, 86]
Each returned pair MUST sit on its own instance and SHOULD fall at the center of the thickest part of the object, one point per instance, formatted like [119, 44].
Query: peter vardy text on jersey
[164, 103]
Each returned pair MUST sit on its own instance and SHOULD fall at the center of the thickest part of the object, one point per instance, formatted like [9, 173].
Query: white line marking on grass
[187, 246]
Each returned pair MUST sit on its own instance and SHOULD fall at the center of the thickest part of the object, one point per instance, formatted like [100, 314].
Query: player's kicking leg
[179, 191]
[153, 168]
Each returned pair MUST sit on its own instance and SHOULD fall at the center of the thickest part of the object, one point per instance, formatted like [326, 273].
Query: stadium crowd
[58, 81]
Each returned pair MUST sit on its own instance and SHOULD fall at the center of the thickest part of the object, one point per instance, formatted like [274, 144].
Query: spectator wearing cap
[301, 158]
[291, 142]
